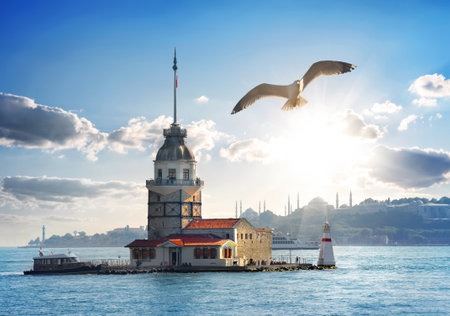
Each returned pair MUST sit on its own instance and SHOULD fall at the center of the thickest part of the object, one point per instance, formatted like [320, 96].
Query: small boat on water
[284, 242]
[61, 264]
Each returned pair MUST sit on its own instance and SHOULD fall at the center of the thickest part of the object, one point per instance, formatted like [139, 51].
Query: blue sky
[380, 131]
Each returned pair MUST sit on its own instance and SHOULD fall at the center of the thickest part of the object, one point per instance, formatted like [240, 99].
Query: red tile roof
[212, 223]
[144, 243]
[180, 240]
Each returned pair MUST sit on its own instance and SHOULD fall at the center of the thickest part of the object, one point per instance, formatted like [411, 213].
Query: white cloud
[247, 150]
[438, 115]
[431, 86]
[23, 123]
[380, 117]
[202, 136]
[139, 134]
[202, 99]
[409, 167]
[406, 121]
[387, 107]
[53, 189]
[425, 102]
[354, 125]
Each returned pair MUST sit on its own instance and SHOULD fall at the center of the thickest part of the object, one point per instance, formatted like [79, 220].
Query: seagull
[292, 91]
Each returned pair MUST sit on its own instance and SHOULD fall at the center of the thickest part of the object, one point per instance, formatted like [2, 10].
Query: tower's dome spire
[175, 86]
[174, 147]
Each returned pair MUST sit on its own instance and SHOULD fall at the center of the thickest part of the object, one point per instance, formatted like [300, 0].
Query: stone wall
[253, 246]
[168, 214]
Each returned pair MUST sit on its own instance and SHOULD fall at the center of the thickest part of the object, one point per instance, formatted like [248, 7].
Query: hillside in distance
[412, 221]
[118, 237]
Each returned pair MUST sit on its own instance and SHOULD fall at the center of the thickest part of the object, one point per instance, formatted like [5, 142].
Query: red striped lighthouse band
[326, 239]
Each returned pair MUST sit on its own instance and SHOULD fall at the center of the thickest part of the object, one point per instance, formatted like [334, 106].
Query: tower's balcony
[174, 131]
[175, 182]
[167, 186]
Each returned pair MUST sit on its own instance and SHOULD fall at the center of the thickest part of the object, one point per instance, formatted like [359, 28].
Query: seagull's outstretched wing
[326, 68]
[264, 90]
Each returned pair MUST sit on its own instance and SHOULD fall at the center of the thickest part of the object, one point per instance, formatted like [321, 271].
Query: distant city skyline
[87, 88]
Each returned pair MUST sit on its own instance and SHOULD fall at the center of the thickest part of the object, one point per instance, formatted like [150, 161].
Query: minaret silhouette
[264, 206]
[289, 205]
[259, 209]
[298, 201]
[236, 210]
[240, 213]
[337, 200]
[350, 200]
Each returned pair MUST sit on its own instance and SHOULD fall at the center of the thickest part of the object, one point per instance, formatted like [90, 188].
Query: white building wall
[188, 257]
[178, 165]
[162, 258]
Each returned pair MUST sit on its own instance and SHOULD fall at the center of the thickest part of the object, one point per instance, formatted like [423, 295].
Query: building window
[246, 235]
[250, 236]
[152, 253]
[197, 253]
[227, 253]
[228, 236]
[205, 253]
[135, 253]
[145, 254]
[242, 236]
[213, 253]
[158, 198]
[172, 174]
[159, 174]
[186, 174]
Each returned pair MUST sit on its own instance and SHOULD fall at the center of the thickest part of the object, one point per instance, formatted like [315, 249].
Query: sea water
[369, 280]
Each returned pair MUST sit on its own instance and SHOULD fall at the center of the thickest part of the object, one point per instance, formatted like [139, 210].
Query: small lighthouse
[326, 256]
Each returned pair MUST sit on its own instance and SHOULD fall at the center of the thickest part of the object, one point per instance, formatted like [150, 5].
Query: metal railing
[194, 182]
[290, 259]
[174, 131]
[111, 262]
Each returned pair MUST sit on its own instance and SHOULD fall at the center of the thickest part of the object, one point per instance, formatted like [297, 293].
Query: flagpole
[175, 84]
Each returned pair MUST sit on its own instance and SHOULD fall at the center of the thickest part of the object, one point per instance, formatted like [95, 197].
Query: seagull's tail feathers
[291, 104]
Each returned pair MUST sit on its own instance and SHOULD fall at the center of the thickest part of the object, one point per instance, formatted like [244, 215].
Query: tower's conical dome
[174, 147]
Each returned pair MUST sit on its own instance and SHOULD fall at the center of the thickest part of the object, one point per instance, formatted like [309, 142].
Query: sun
[315, 146]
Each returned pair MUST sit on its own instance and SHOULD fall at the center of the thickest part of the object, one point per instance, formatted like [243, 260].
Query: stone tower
[174, 194]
